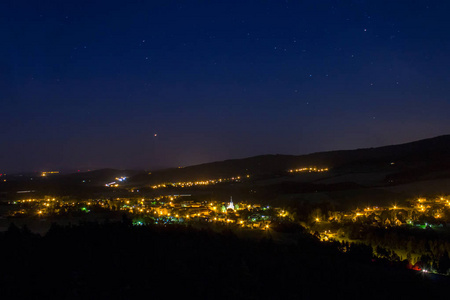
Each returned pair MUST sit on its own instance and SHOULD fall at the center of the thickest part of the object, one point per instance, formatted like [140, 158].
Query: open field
[422, 188]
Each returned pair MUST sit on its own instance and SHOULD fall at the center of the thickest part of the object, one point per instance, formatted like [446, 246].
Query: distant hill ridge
[431, 153]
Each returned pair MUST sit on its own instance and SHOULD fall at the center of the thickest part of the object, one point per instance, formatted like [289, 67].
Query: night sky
[149, 84]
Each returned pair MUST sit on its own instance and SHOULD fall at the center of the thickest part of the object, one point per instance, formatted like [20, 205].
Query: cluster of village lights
[199, 183]
[309, 169]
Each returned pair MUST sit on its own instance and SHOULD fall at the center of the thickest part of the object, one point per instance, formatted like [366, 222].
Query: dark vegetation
[431, 246]
[121, 261]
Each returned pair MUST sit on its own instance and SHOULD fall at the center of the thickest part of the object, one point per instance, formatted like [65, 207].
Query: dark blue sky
[88, 84]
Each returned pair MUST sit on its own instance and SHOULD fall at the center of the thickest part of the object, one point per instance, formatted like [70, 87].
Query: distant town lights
[308, 169]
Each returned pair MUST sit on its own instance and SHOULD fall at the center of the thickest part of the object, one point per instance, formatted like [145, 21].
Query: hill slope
[412, 162]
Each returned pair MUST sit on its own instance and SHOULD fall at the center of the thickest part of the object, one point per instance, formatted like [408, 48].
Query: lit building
[230, 205]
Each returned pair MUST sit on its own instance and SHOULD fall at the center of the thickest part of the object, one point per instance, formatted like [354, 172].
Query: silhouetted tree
[444, 263]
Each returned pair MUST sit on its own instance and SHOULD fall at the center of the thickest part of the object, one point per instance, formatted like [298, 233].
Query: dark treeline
[429, 248]
[121, 261]
[306, 211]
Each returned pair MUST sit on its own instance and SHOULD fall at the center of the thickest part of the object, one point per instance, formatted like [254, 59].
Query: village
[173, 209]
[182, 209]
[431, 213]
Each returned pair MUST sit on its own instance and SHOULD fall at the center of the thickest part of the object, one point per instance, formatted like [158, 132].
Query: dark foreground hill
[119, 261]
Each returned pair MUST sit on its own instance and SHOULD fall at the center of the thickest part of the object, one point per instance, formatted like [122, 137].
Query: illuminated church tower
[231, 205]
